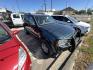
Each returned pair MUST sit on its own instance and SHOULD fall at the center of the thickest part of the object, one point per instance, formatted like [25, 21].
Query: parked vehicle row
[17, 19]
[55, 34]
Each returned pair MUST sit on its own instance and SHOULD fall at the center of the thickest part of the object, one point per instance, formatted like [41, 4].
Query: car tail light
[21, 58]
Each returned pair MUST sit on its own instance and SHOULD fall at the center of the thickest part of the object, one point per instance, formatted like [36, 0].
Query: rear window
[44, 19]
[61, 18]
[16, 16]
[29, 19]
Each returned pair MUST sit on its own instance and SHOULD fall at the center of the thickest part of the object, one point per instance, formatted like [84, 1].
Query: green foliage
[58, 13]
[39, 11]
[82, 12]
[87, 45]
[89, 11]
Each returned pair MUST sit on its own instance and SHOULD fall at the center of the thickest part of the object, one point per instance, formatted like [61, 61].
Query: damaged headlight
[62, 42]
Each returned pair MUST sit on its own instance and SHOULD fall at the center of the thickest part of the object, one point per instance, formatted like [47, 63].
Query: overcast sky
[31, 5]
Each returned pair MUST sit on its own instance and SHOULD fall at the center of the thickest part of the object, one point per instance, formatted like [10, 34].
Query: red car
[13, 54]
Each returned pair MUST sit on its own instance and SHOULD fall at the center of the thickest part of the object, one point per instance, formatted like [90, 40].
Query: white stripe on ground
[60, 60]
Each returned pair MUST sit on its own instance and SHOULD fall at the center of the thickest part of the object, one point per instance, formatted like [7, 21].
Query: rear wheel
[45, 48]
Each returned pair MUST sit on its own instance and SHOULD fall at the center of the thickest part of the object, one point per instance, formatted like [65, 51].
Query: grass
[85, 56]
[87, 45]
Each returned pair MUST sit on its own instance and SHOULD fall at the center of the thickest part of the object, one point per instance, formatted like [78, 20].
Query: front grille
[68, 44]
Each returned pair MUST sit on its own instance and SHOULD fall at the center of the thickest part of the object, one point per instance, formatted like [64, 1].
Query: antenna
[66, 5]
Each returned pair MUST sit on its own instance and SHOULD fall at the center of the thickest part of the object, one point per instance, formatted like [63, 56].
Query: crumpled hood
[83, 24]
[58, 30]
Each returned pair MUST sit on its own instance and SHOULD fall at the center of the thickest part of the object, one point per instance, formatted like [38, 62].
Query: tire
[73, 46]
[79, 32]
[45, 48]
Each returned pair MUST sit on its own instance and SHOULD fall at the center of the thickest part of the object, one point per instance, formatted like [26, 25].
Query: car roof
[39, 15]
[61, 15]
[56, 15]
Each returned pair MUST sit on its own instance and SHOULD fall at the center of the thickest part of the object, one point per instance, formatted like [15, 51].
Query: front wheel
[73, 46]
[45, 48]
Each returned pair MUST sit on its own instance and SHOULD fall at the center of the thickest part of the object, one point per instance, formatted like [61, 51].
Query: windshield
[73, 19]
[3, 35]
[44, 19]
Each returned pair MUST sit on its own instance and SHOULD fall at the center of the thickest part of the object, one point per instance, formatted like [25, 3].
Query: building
[68, 11]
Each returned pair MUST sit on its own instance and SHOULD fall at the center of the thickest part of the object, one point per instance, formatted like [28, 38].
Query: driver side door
[31, 27]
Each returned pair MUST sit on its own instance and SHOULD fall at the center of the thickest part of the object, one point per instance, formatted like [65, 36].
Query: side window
[16, 16]
[2, 32]
[39, 19]
[58, 18]
[3, 35]
[28, 19]
[66, 20]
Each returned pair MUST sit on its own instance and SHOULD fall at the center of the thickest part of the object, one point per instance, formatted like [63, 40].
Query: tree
[89, 11]
[82, 12]
[39, 11]
[57, 12]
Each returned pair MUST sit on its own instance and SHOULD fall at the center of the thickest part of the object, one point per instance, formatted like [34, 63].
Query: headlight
[21, 58]
[62, 42]
[88, 29]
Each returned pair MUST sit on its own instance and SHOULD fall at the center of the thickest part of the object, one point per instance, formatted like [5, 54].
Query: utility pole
[51, 6]
[86, 6]
[66, 5]
[45, 5]
[17, 5]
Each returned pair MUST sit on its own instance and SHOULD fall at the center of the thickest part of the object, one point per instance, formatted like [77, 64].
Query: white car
[83, 26]
[17, 19]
